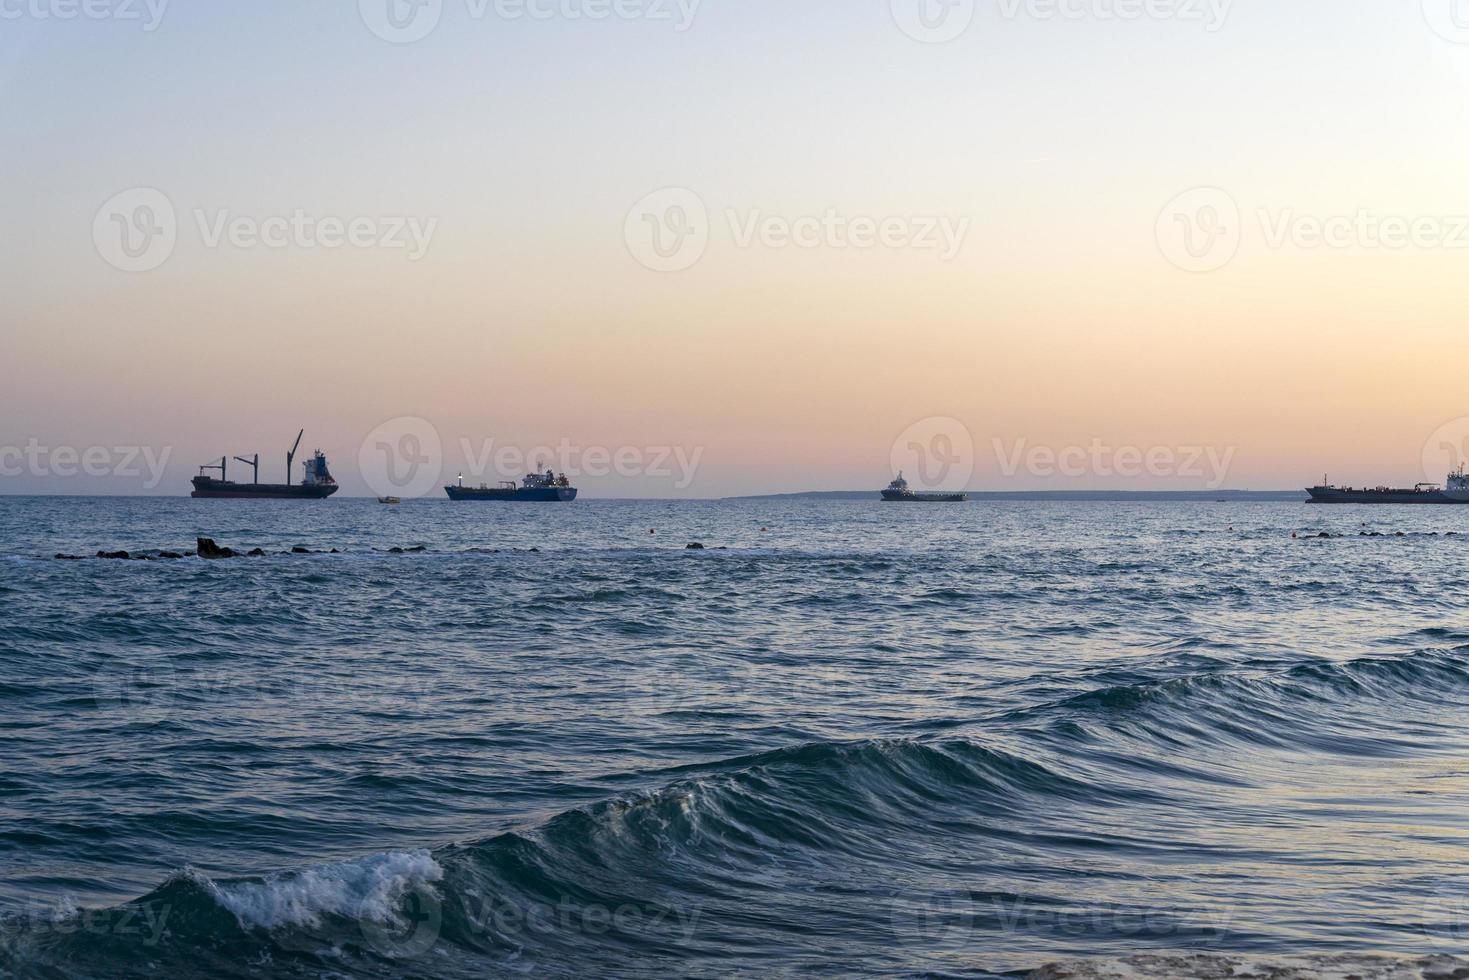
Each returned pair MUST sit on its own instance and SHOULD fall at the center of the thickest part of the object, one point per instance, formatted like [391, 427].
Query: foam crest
[1227, 967]
[370, 889]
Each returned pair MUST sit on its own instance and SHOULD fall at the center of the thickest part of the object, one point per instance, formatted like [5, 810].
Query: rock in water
[696, 546]
[206, 548]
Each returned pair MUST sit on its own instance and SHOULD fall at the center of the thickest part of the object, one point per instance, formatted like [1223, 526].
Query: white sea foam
[1210, 966]
[370, 889]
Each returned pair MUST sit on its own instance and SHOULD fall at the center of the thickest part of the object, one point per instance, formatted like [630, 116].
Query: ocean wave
[664, 875]
[1237, 691]
[650, 861]
[1210, 965]
[347, 914]
[372, 889]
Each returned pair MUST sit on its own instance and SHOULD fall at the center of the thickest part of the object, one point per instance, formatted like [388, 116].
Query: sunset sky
[521, 146]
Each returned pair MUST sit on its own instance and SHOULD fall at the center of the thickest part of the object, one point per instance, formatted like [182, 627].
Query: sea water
[843, 737]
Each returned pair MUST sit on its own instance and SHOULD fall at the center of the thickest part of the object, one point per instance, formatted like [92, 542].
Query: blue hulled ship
[544, 487]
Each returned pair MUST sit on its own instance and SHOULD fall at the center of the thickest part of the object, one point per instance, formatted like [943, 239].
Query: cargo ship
[544, 487]
[316, 480]
[899, 491]
[1454, 491]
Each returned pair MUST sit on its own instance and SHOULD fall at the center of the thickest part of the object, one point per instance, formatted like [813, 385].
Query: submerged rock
[169, 554]
[695, 546]
[61, 557]
[255, 553]
[118, 555]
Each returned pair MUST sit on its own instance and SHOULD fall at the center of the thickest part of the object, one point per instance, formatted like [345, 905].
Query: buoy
[652, 530]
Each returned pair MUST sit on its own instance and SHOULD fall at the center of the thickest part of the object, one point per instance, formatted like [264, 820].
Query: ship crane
[215, 466]
[291, 456]
[253, 462]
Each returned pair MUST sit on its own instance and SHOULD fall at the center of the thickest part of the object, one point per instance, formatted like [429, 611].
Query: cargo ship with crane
[316, 480]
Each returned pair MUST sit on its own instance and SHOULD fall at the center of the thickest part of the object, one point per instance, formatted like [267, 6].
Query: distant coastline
[1142, 496]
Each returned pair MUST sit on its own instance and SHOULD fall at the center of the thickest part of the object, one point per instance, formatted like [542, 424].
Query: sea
[843, 738]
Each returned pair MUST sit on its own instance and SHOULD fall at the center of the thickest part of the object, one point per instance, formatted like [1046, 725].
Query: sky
[697, 249]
